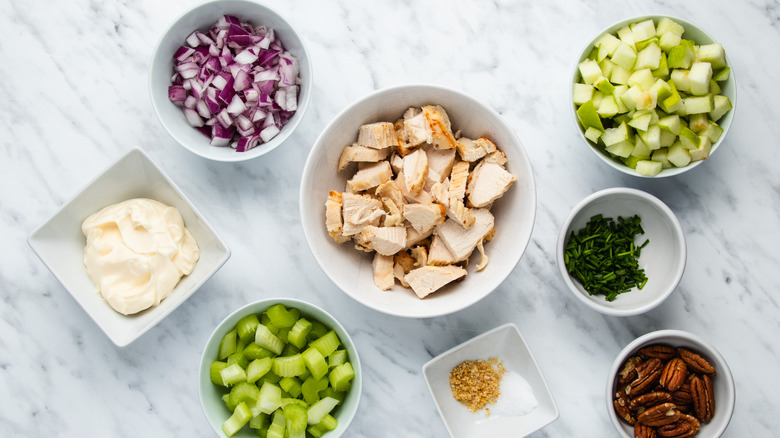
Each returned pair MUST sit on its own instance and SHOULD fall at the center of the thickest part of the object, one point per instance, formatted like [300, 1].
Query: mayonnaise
[136, 253]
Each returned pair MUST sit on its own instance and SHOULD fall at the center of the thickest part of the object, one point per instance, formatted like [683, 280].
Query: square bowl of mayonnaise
[130, 247]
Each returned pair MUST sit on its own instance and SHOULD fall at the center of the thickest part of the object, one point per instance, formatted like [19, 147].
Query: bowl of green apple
[653, 96]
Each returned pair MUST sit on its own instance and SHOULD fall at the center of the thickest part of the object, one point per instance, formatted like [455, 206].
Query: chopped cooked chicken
[458, 179]
[378, 135]
[356, 153]
[403, 264]
[486, 144]
[333, 220]
[415, 171]
[489, 181]
[470, 150]
[383, 271]
[438, 254]
[416, 127]
[439, 123]
[422, 198]
[370, 176]
[483, 261]
[431, 178]
[397, 163]
[394, 217]
[390, 190]
[458, 212]
[429, 279]
[441, 192]
[420, 256]
[461, 241]
[414, 237]
[496, 157]
[439, 161]
[360, 211]
[423, 217]
[384, 240]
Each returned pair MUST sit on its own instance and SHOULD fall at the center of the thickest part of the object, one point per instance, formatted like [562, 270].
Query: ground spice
[476, 383]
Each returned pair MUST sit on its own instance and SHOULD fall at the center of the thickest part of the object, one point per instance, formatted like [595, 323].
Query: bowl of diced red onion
[230, 80]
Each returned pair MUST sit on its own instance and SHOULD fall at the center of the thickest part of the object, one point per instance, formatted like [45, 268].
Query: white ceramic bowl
[723, 381]
[663, 259]
[211, 396]
[350, 269]
[60, 243]
[201, 18]
[728, 88]
[507, 345]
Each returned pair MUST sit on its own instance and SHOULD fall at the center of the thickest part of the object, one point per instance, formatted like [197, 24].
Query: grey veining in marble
[73, 98]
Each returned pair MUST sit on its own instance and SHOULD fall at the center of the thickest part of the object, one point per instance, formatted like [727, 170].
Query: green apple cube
[649, 57]
[667, 138]
[582, 93]
[698, 123]
[673, 102]
[631, 97]
[670, 124]
[680, 80]
[615, 135]
[631, 160]
[662, 89]
[648, 167]
[688, 138]
[663, 68]
[714, 87]
[699, 78]
[666, 24]
[721, 105]
[698, 104]
[641, 150]
[647, 101]
[622, 149]
[626, 35]
[722, 75]
[713, 131]
[598, 96]
[712, 53]
[643, 44]
[643, 30]
[624, 56]
[608, 107]
[601, 54]
[678, 155]
[606, 67]
[619, 75]
[669, 39]
[603, 85]
[661, 156]
[644, 78]
[641, 120]
[593, 134]
[703, 151]
[680, 56]
[652, 137]
[589, 117]
[618, 93]
[608, 42]
[590, 71]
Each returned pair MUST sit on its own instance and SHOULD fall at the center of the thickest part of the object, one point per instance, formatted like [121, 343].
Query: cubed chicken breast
[361, 154]
[415, 170]
[441, 192]
[360, 211]
[429, 279]
[383, 240]
[333, 219]
[403, 264]
[489, 181]
[394, 216]
[496, 157]
[462, 241]
[378, 135]
[423, 217]
[461, 214]
[440, 128]
[439, 254]
[469, 150]
[458, 179]
[383, 271]
[486, 144]
[370, 176]
[413, 237]
[416, 127]
[421, 198]
[439, 161]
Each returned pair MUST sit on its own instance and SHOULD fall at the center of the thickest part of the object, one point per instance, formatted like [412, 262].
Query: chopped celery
[327, 344]
[260, 421]
[291, 385]
[298, 332]
[338, 357]
[232, 374]
[281, 316]
[318, 330]
[271, 376]
[228, 403]
[329, 422]
[258, 368]
[318, 410]
[276, 429]
[297, 420]
[227, 345]
[311, 387]
[289, 366]
[246, 327]
[290, 349]
[244, 392]
[241, 416]
[214, 369]
[240, 345]
[266, 339]
[270, 398]
[332, 393]
[238, 358]
[341, 376]
[315, 362]
[283, 334]
[254, 351]
[316, 430]
[266, 321]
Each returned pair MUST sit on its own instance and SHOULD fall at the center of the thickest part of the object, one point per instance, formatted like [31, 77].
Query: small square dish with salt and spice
[490, 386]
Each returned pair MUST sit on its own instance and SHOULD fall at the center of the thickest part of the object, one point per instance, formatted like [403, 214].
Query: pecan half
[685, 427]
[628, 372]
[663, 352]
[695, 361]
[621, 407]
[703, 397]
[643, 431]
[649, 400]
[674, 374]
[647, 376]
[659, 415]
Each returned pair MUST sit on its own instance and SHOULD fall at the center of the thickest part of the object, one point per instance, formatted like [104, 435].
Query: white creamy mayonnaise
[136, 253]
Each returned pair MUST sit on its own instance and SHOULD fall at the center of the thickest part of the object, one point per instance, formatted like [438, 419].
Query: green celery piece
[238, 358]
[297, 420]
[281, 316]
[298, 332]
[341, 376]
[254, 351]
[277, 427]
[266, 321]
[283, 334]
[271, 376]
[266, 339]
[326, 344]
[329, 422]
[311, 387]
[289, 366]
[315, 362]
[318, 410]
[214, 369]
[227, 345]
[270, 398]
[316, 430]
[233, 374]
[330, 392]
[289, 350]
[338, 357]
[258, 368]
[246, 327]
[241, 416]
[291, 385]
[244, 392]
[259, 421]
[228, 403]
[318, 330]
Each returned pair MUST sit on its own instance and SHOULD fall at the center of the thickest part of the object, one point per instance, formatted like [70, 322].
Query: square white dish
[507, 345]
[59, 243]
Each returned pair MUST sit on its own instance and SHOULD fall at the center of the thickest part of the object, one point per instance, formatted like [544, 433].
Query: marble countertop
[73, 87]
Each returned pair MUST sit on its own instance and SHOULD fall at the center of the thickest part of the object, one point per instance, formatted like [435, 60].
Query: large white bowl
[60, 243]
[201, 18]
[663, 259]
[723, 381]
[350, 269]
[728, 88]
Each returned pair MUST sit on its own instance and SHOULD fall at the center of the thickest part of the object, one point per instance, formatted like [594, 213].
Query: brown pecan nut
[674, 374]
[621, 407]
[703, 397]
[628, 372]
[649, 400]
[659, 415]
[663, 352]
[695, 361]
[685, 427]
[648, 373]
[644, 431]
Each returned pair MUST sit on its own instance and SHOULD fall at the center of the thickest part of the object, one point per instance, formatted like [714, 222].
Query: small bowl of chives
[621, 251]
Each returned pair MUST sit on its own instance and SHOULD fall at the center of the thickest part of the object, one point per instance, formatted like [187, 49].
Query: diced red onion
[192, 117]
[268, 133]
[177, 94]
[190, 102]
[236, 106]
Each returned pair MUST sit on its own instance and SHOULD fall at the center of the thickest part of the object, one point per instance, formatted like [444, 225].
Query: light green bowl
[211, 397]
[728, 88]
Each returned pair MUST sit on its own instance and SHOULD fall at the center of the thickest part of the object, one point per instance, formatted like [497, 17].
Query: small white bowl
[60, 243]
[350, 269]
[723, 381]
[663, 259]
[201, 18]
[728, 88]
[211, 397]
[507, 345]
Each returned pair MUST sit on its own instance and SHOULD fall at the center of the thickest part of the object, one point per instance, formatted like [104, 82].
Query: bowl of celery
[282, 368]
[653, 96]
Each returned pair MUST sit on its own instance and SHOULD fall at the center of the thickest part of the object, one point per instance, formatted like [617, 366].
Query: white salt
[517, 397]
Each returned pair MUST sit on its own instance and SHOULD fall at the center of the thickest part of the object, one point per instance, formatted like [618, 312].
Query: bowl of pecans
[670, 383]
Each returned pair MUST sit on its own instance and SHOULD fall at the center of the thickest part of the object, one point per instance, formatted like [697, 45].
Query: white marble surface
[73, 87]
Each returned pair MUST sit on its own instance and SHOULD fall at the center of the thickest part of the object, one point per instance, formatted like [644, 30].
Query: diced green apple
[703, 151]
[602, 84]
[644, 78]
[622, 149]
[663, 68]
[713, 131]
[606, 67]
[624, 56]
[593, 134]
[669, 39]
[619, 75]
[648, 167]
[661, 156]
[590, 71]
[598, 96]
[721, 105]
[631, 97]
[627, 36]
[641, 150]
[651, 137]
[688, 138]
[680, 80]
[582, 93]
[713, 53]
[608, 42]
[608, 107]
[722, 75]
[698, 104]
[670, 124]
[678, 155]
[697, 123]
[649, 57]
[615, 135]
[666, 24]
[699, 78]
[667, 139]
[618, 93]
[589, 117]
[643, 30]
[680, 56]
[715, 88]
[641, 120]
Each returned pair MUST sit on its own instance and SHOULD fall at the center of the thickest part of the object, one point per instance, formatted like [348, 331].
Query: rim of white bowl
[602, 154]
[678, 232]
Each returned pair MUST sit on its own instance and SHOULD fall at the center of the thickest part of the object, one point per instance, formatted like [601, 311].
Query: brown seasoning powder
[476, 383]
